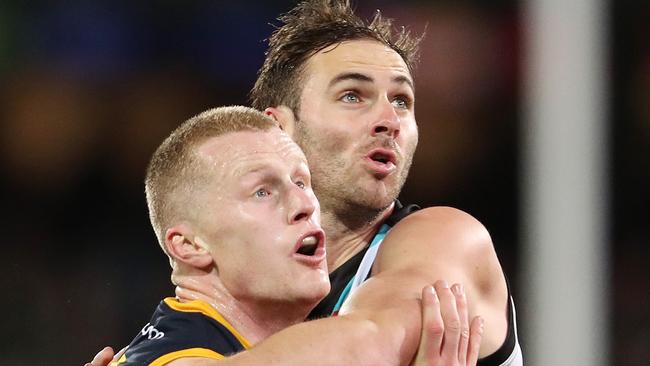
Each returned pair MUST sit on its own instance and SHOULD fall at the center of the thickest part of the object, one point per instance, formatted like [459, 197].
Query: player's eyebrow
[350, 76]
[400, 79]
[258, 168]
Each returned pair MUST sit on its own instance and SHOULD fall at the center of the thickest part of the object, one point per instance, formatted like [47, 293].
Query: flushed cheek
[257, 273]
[260, 219]
[245, 212]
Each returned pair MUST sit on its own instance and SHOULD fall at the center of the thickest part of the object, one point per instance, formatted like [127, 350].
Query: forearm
[354, 339]
[395, 307]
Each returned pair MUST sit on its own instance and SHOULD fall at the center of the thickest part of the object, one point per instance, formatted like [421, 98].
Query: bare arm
[302, 345]
[440, 344]
[345, 340]
[433, 244]
[381, 322]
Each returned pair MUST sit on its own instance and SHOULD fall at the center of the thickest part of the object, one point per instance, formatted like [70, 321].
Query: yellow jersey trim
[198, 306]
[190, 352]
[121, 360]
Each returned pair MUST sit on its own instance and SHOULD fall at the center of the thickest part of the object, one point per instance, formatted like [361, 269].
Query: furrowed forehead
[249, 150]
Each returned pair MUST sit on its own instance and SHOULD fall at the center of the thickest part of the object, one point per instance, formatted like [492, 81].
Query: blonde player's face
[357, 123]
[261, 220]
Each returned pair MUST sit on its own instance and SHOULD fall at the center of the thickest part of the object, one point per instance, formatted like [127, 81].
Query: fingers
[475, 336]
[432, 327]
[120, 354]
[431, 337]
[461, 306]
[102, 358]
[447, 337]
[451, 320]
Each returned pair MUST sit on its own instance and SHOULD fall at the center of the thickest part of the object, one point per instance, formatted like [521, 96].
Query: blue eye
[401, 103]
[261, 193]
[350, 98]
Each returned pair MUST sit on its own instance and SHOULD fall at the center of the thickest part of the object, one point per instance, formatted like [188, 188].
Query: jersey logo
[151, 332]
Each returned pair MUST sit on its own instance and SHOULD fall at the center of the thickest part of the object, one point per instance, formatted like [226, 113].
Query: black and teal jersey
[355, 270]
[351, 274]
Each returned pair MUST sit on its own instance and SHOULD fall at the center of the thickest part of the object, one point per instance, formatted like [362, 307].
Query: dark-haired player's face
[357, 124]
[260, 219]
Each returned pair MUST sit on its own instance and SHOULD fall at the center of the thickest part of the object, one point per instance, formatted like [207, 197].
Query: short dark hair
[174, 167]
[309, 28]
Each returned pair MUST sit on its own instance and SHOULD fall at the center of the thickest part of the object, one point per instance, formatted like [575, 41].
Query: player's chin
[315, 291]
[382, 194]
[322, 290]
[316, 280]
[375, 201]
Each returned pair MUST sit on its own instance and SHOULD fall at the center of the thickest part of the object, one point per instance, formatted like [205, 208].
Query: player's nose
[387, 121]
[301, 206]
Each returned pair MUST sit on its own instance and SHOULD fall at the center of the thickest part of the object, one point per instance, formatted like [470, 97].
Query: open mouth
[308, 245]
[382, 156]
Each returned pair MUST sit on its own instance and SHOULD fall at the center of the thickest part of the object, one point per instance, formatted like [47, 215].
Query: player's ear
[285, 117]
[184, 246]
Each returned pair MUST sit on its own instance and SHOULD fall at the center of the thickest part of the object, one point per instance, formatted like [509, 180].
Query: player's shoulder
[442, 215]
[437, 225]
[182, 330]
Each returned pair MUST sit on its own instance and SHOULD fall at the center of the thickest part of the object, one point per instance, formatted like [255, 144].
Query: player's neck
[259, 320]
[344, 239]
[253, 320]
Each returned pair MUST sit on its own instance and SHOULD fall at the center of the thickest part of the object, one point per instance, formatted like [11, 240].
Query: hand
[447, 337]
[105, 356]
[102, 358]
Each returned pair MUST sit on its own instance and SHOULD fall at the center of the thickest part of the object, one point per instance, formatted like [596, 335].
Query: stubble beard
[341, 196]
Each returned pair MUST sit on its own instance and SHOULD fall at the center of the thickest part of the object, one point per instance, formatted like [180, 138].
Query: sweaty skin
[262, 178]
[359, 95]
[357, 98]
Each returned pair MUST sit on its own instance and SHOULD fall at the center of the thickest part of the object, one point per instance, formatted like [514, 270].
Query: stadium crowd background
[89, 89]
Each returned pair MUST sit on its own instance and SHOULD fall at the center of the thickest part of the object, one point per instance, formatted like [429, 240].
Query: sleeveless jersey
[345, 279]
[178, 329]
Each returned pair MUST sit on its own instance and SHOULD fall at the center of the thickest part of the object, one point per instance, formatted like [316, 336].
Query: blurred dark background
[89, 89]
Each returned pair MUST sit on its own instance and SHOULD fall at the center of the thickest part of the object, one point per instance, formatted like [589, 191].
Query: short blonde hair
[173, 171]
